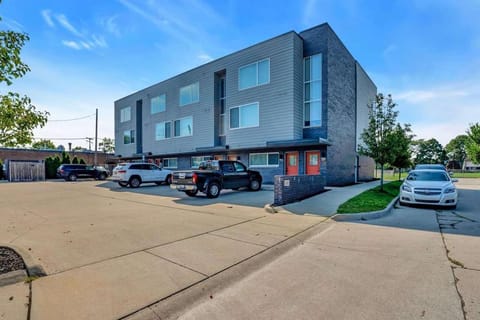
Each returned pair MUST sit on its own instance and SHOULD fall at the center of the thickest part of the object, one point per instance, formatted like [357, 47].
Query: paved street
[413, 264]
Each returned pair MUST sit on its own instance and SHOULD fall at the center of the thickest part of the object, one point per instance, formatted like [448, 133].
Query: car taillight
[122, 171]
[61, 171]
[194, 178]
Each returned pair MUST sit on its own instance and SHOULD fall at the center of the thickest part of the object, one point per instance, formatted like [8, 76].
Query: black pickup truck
[215, 175]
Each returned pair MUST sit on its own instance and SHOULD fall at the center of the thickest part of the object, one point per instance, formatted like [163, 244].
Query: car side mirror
[454, 180]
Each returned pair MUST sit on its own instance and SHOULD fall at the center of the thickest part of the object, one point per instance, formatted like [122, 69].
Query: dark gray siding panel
[339, 102]
[125, 150]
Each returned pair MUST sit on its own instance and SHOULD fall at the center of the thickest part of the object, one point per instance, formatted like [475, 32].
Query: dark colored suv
[72, 172]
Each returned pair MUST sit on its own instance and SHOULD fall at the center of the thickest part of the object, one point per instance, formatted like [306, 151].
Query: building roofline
[208, 63]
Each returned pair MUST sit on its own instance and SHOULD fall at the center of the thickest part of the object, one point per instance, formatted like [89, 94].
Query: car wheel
[135, 182]
[254, 185]
[168, 180]
[213, 190]
[102, 176]
[72, 177]
[123, 184]
[191, 193]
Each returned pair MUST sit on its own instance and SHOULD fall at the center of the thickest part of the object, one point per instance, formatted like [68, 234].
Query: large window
[254, 74]
[128, 136]
[163, 130]
[313, 91]
[183, 127]
[189, 94]
[158, 104]
[197, 160]
[125, 114]
[221, 102]
[244, 116]
[264, 159]
[171, 163]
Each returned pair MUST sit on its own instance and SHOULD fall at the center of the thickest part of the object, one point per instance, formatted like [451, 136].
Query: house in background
[291, 105]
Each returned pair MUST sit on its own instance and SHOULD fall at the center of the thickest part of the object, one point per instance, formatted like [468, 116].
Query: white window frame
[125, 114]
[168, 160]
[239, 121]
[164, 104]
[256, 63]
[264, 165]
[201, 158]
[189, 87]
[180, 119]
[164, 123]
[321, 89]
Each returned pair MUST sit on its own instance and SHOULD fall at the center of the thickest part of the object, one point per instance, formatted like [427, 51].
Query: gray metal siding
[120, 127]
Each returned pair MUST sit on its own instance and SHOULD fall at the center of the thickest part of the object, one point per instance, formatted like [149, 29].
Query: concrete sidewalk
[110, 254]
[326, 203]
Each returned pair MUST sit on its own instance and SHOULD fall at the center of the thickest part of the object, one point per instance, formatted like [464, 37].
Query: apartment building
[291, 105]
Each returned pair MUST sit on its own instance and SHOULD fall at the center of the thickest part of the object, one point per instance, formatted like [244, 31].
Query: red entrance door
[312, 162]
[292, 163]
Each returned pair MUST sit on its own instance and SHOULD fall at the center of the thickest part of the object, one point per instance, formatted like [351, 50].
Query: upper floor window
[128, 136]
[163, 130]
[183, 127]
[254, 74]
[125, 114]
[313, 91]
[244, 116]
[158, 104]
[189, 94]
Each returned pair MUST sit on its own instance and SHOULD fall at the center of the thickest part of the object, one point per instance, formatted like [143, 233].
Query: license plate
[180, 187]
[181, 175]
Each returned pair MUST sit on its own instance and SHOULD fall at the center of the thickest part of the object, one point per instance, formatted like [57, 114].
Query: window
[254, 74]
[313, 91]
[128, 136]
[221, 102]
[244, 116]
[163, 130]
[264, 159]
[170, 163]
[125, 114]
[197, 160]
[189, 94]
[158, 104]
[183, 127]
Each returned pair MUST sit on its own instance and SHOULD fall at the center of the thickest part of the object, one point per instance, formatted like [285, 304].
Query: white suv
[134, 174]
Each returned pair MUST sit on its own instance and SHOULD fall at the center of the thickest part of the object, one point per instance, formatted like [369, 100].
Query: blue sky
[87, 54]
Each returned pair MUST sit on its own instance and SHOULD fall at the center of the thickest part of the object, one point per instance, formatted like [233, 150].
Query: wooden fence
[23, 171]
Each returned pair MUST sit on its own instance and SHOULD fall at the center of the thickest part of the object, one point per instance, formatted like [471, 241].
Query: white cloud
[99, 41]
[47, 17]
[417, 96]
[72, 44]
[62, 19]
[111, 25]
[309, 12]
[204, 58]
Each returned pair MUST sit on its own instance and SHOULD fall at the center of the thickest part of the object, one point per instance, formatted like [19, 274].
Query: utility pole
[96, 137]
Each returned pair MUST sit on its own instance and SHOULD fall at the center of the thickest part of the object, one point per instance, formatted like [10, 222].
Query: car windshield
[428, 176]
[430, 166]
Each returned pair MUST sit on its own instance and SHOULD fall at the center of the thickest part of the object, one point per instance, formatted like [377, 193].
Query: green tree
[65, 158]
[473, 143]
[18, 117]
[379, 138]
[107, 145]
[456, 149]
[402, 148]
[75, 160]
[429, 151]
[43, 144]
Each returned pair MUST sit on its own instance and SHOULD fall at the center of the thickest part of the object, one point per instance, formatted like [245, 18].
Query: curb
[365, 215]
[32, 268]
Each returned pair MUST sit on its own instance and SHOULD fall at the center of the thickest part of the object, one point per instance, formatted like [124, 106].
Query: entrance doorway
[291, 163]
[312, 162]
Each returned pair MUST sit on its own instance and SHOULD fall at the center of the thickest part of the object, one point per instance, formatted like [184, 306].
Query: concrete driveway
[108, 252]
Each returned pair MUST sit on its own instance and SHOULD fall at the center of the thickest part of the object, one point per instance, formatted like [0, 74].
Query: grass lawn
[371, 200]
[466, 175]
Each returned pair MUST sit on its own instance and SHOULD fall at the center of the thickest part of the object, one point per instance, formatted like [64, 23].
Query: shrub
[75, 160]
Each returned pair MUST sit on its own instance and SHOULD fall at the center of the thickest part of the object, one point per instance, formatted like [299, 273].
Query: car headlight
[406, 188]
[449, 190]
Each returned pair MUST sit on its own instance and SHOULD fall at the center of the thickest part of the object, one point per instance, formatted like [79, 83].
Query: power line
[84, 138]
[73, 119]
